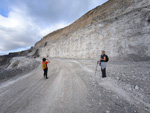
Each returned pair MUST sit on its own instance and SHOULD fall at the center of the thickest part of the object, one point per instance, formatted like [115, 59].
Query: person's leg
[103, 72]
[46, 73]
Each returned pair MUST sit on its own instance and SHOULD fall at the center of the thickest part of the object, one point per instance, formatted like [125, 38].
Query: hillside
[121, 27]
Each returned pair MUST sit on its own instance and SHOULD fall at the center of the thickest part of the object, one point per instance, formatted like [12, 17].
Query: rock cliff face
[120, 27]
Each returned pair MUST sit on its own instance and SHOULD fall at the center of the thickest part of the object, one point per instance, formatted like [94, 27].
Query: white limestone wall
[125, 37]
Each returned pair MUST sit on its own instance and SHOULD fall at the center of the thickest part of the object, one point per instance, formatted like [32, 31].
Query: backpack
[44, 65]
[107, 58]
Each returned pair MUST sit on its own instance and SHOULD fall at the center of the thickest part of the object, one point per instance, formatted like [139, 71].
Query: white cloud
[19, 31]
[28, 21]
[8, 22]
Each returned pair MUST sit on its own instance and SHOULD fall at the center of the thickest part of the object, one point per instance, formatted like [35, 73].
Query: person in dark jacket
[103, 64]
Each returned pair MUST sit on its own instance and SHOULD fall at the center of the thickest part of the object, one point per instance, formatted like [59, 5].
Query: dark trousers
[45, 72]
[103, 72]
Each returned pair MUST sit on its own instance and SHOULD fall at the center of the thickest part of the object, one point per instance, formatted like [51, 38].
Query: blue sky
[24, 22]
[4, 7]
[4, 12]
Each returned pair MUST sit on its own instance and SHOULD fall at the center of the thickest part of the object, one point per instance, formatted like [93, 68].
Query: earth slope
[121, 27]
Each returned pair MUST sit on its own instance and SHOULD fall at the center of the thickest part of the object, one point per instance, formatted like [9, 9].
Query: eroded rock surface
[121, 27]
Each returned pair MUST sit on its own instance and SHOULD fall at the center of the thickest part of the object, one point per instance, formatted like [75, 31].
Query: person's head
[103, 52]
[44, 59]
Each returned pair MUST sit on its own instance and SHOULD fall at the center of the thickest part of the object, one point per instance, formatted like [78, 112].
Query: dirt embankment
[17, 66]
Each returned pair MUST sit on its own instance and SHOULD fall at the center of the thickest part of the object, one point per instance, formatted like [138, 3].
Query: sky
[24, 22]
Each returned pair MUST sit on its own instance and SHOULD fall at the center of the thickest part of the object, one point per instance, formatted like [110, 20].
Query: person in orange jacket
[45, 67]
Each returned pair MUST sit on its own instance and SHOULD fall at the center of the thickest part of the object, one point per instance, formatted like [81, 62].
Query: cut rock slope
[121, 27]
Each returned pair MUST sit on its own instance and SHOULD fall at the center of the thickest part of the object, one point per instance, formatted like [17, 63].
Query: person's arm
[99, 61]
[48, 60]
[103, 58]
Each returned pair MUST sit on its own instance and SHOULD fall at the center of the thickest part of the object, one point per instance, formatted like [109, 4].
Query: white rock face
[17, 62]
[124, 36]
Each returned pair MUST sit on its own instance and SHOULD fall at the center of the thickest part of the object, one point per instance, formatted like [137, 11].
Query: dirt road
[71, 88]
[64, 91]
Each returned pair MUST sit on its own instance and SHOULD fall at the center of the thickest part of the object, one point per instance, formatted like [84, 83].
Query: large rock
[121, 27]
[5, 59]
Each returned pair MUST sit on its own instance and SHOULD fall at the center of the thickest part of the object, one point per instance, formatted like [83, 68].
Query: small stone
[118, 78]
[89, 105]
[107, 111]
[93, 84]
[129, 89]
[136, 87]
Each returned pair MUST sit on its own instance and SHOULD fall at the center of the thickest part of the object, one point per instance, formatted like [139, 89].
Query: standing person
[44, 66]
[103, 60]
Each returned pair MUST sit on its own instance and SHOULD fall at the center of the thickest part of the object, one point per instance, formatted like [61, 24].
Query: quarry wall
[122, 30]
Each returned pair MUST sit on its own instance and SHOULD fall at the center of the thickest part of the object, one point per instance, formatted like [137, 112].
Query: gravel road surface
[72, 88]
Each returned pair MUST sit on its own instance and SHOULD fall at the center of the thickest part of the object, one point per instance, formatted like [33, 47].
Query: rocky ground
[17, 66]
[73, 87]
[125, 90]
